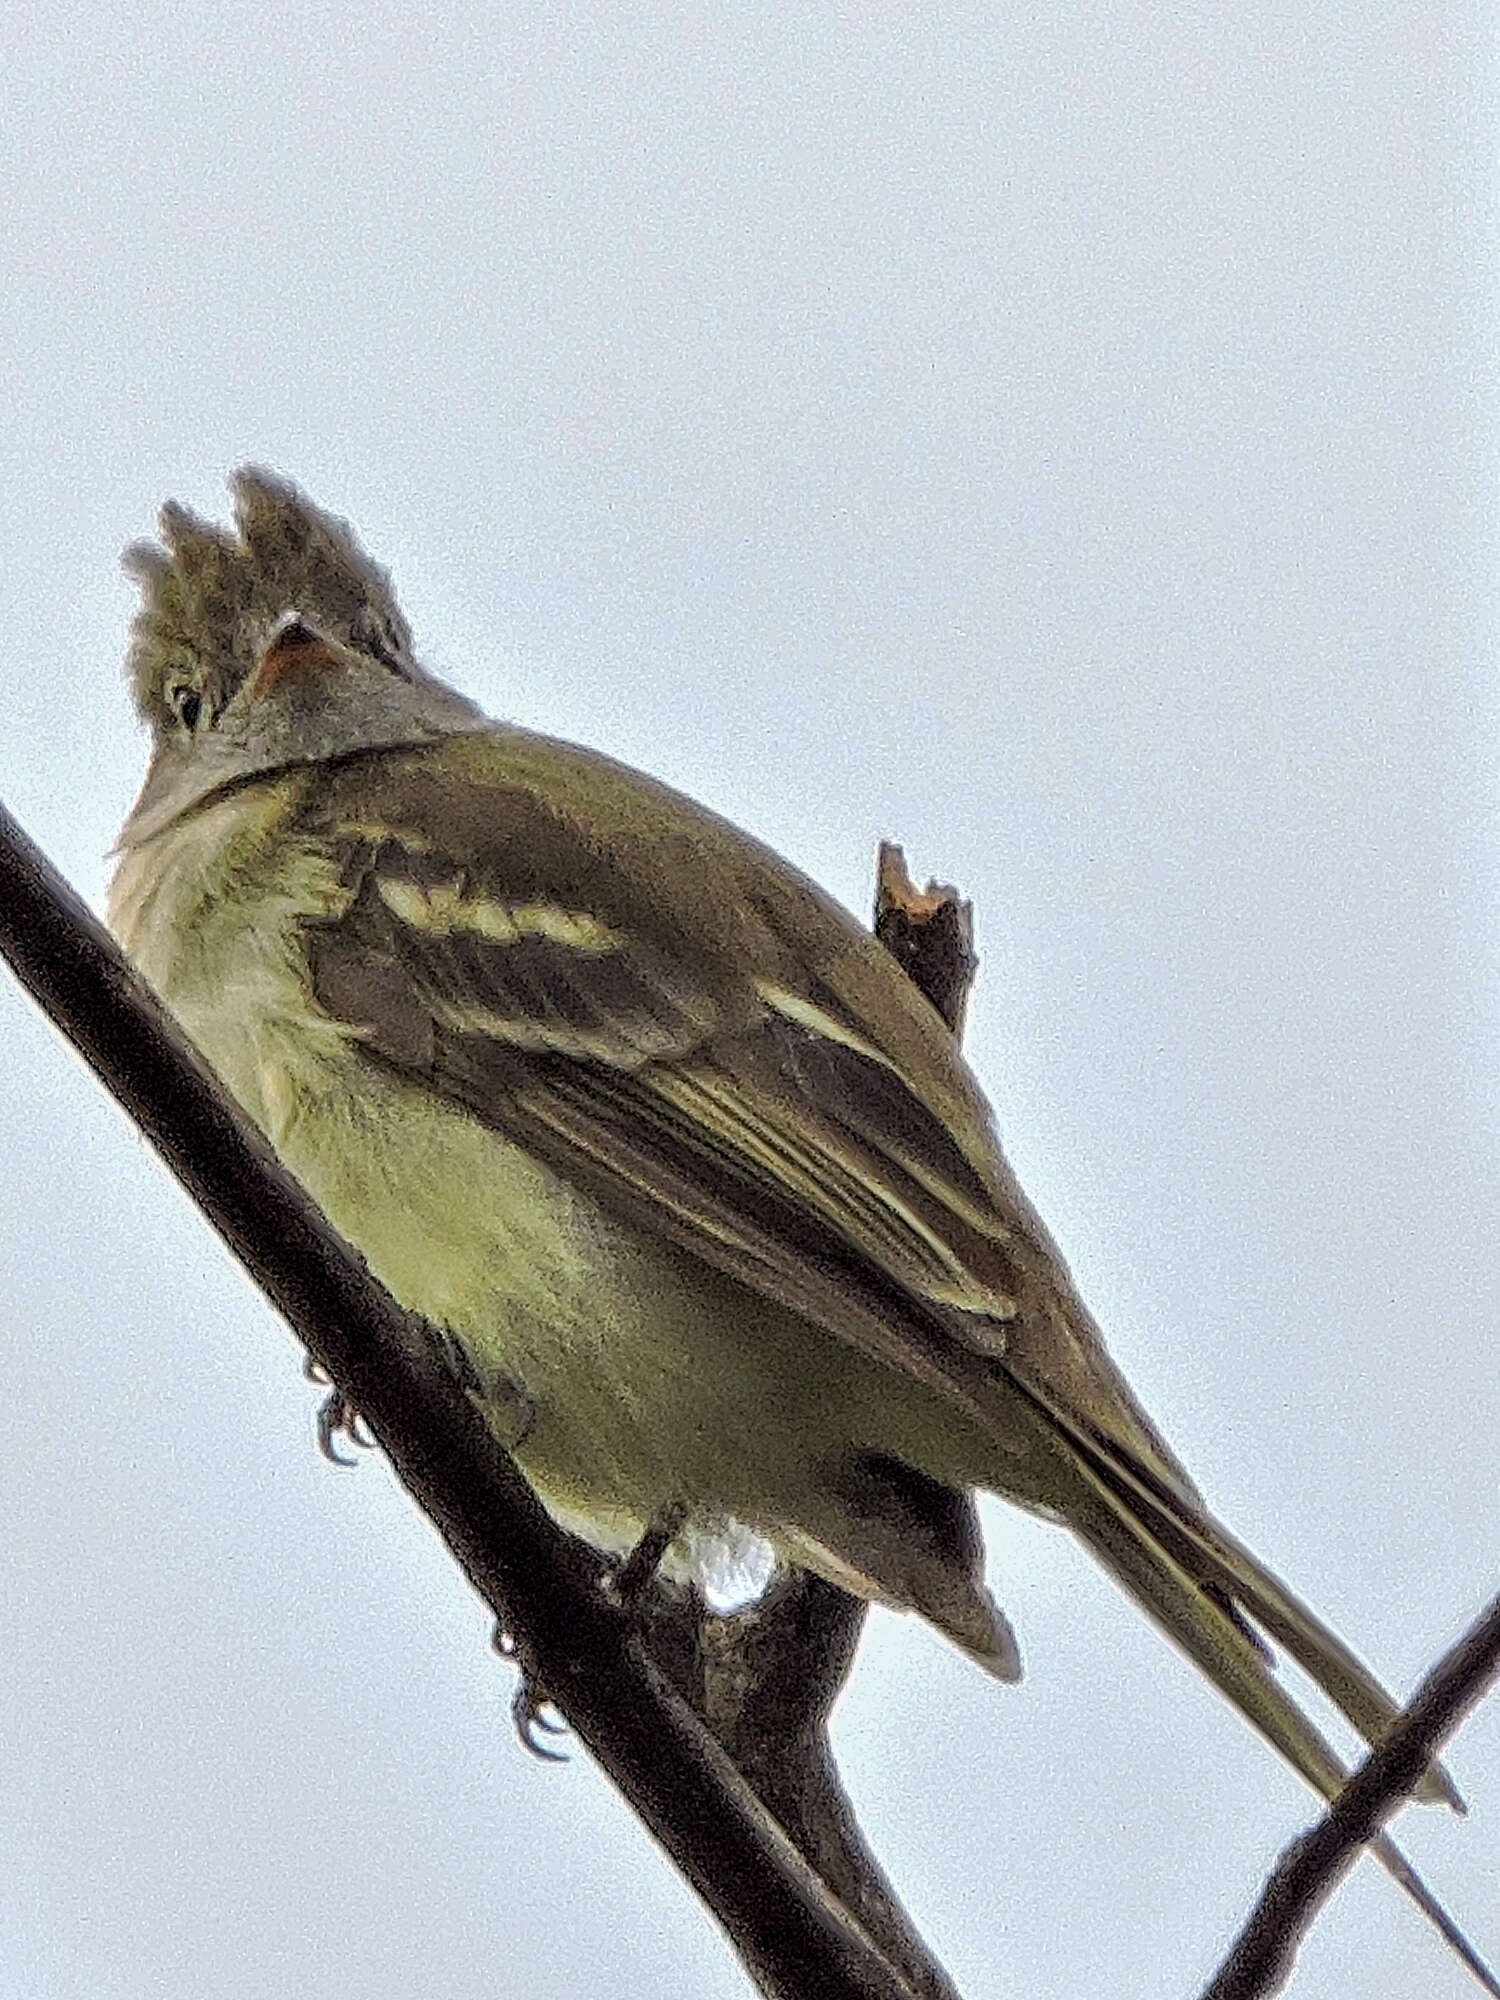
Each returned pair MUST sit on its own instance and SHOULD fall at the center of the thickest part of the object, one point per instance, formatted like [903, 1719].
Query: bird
[696, 1181]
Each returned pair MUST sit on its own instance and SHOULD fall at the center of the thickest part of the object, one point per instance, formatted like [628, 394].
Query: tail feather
[1344, 1678]
[1207, 1554]
[1123, 1535]
[1400, 1870]
[1193, 1619]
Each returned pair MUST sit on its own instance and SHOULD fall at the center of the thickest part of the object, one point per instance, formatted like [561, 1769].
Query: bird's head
[277, 643]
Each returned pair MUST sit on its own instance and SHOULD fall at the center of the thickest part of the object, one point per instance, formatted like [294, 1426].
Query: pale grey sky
[1061, 439]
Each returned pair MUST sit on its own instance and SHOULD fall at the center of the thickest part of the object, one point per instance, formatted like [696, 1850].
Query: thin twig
[1307, 1874]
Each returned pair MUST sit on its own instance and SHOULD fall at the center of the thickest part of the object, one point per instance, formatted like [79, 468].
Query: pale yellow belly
[647, 1377]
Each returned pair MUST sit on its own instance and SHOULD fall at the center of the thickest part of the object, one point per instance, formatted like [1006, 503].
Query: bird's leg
[499, 1398]
[630, 1582]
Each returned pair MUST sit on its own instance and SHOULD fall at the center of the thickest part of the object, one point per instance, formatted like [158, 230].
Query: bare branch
[929, 932]
[1262, 1957]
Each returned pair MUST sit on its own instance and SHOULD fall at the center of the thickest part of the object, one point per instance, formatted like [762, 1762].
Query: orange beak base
[294, 647]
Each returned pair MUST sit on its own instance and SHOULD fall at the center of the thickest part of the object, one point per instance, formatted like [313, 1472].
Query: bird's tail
[1215, 1601]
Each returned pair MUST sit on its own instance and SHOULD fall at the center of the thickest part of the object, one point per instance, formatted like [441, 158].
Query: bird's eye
[186, 703]
[377, 637]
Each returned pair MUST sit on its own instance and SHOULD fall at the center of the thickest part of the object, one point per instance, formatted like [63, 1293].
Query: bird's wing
[672, 1015]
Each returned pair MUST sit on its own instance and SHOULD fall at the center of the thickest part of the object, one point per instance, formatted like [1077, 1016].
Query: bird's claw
[529, 1704]
[338, 1417]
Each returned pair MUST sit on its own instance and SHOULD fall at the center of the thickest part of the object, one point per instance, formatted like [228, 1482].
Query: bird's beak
[294, 649]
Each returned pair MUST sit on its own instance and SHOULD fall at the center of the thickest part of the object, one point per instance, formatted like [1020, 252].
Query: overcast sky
[1062, 439]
